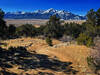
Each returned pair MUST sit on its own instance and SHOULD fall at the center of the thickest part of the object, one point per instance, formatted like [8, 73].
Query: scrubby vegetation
[84, 39]
[83, 33]
[53, 28]
[3, 27]
[26, 30]
[49, 41]
[94, 59]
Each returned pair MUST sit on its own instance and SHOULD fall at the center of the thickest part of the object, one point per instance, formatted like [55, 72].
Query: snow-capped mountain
[39, 11]
[44, 14]
[50, 11]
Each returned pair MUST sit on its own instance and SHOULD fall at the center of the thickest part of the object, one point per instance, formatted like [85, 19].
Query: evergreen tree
[26, 30]
[98, 17]
[53, 28]
[91, 17]
[72, 29]
[11, 30]
[91, 23]
[84, 39]
[49, 41]
[1, 14]
[3, 27]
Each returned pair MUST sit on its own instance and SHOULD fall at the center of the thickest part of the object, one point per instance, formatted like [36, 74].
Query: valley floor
[36, 22]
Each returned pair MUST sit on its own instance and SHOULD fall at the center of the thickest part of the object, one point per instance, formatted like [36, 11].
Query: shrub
[94, 64]
[26, 30]
[84, 39]
[49, 41]
[91, 63]
[66, 38]
[53, 27]
[11, 30]
[94, 59]
[72, 29]
[3, 27]
[40, 30]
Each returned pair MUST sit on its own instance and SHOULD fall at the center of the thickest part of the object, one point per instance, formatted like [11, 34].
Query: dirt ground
[65, 52]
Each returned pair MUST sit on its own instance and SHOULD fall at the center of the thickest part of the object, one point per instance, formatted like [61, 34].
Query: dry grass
[73, 53]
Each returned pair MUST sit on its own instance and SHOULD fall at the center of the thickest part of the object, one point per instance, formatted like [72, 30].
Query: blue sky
[76, 6]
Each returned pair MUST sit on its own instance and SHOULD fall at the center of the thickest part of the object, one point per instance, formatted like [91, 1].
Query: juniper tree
[3, 27]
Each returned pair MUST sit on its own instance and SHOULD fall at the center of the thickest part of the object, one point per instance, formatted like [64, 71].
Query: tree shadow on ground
[3, 44]
[4, 72]
[20, 56]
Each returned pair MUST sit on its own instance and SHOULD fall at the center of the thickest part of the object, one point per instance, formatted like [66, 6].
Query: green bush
[40, 30]
[72, 29]
[53, 28]
[84, 39]
[11, 30]
[3, 26]
[49, 41]
[91, 64]
[26, 30]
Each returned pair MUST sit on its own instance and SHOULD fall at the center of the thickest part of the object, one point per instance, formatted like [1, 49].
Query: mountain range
[44, 14]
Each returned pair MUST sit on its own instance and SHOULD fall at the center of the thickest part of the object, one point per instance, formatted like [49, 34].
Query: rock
[15, 58]
[83, 70]
[55, 46]
[17, 54]
[10, 57]
[98, 72]
[88, 74]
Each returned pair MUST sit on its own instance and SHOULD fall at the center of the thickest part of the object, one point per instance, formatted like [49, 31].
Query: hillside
[61, 52]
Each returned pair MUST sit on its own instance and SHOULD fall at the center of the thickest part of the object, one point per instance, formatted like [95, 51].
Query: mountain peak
[51, 10]
[39, 11]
